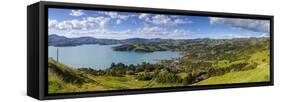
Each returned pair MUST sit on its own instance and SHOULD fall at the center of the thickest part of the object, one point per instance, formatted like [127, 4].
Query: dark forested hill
[56, 40]
[189, 44]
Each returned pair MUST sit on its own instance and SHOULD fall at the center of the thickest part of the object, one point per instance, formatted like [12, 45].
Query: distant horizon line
[165, 38]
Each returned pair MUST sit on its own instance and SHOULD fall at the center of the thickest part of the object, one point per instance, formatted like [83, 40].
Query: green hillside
[203, 62]
[260, 74]
[65, 79]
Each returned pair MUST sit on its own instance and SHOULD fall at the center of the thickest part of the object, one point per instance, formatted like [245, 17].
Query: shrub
[130, 72]
[144, 76]
[138, 69]
[165, 76]
[187, 79]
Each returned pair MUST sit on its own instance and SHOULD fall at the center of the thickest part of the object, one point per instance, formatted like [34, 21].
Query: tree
[188, 79]
[144, 76]
[112, 65]
[165, 76]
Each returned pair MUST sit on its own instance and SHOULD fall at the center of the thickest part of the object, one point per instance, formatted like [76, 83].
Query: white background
[13, 51]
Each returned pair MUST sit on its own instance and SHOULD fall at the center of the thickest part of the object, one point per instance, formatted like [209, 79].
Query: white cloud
[163, 19]
[70, 24]
[118, 21]
[76, 13]
[248, 24]
[85, 23]
[101, 21]
[111, 14]
[95, 26]
[144, 16]
[151, 30]
[264, 35]
[88, 32]
[160, 32]
[52, 23]
[180, 21]
[166, 20]
[116, 16]
[143, 32]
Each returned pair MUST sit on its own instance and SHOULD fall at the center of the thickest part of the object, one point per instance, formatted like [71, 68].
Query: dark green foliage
[165, 76]
[221, 71]
[121, 69]
[143, 76]
[118, 69]
[92, 71]
[188, 79]
[129, 72]
[139, 69]
[141, 47]
[250, 66]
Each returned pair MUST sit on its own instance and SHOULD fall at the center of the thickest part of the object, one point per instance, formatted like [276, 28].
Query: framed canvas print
[83, 50]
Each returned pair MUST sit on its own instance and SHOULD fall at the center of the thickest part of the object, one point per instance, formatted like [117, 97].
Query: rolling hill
[259, 74]
[62, 78]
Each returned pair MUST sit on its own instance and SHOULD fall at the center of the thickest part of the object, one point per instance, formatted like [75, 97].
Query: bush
[130, 72]
[138, 69]
[165, 76]
[250, 66]
[144, 76]
[188, 79]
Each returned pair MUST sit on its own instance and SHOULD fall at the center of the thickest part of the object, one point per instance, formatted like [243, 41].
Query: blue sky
[124, 25]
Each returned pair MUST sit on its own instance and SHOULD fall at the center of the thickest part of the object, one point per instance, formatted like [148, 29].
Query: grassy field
[259, 74]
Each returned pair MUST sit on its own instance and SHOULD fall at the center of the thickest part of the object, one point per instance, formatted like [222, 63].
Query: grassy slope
[128, 82]
[58, 83]
[259, 74]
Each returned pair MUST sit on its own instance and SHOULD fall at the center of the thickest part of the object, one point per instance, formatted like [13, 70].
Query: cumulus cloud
[181, 21]
[166, 20]
[76, 13]
[88, 32]
[144, 16]
[101, 21]
[71, 24]
[142, 32]
[118, 21]
[116, 16]
[96, 26]
[248, 24]
[161, 32]
[151, 30]
[79, 24]
[163, 19]
[52, 23]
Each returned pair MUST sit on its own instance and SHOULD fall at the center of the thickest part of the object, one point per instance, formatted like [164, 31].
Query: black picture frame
[37, 53]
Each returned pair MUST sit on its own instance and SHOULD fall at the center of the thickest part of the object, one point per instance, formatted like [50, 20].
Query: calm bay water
[101, 56]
